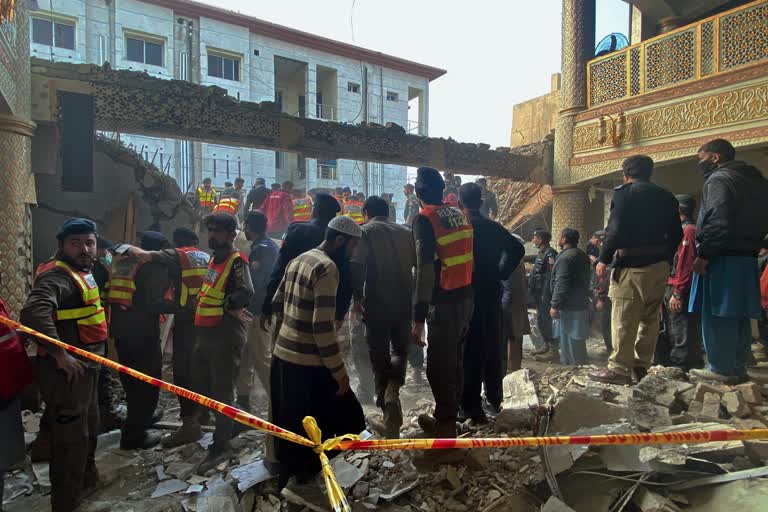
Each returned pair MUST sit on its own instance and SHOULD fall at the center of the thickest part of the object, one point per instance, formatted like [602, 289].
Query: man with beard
[729, 234]
[308, 373]
[64, 304]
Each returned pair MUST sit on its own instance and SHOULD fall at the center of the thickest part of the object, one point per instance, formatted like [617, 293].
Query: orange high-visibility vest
[354, 210]
[302, 209]
[210, 306]
[206, 198]
[122, 280]
[194, 267]
[90, 317]
[228, 205]
[453, 244]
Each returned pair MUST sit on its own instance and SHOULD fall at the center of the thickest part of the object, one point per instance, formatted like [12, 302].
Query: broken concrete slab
[720, 479]
[577, 410]
[710, 409]
[656, 389]
[735, 404]
[346, 474]
[180, 470]
[555, 505]
[520, 401]
[756, 450]
[661, 457]
[647, 416]
[703, 388]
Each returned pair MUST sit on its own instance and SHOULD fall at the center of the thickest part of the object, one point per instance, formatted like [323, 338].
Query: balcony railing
[416, 128]
[713, 45]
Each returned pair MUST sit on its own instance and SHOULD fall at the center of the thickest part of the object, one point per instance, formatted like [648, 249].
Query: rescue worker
[278, 207]
[64, 304]
[353, 208]
[444, 261]
[187, 266]
[231, 199]
[679, 344]
[137, 299]
[496, 253]
[302, 206]
[540, 288]
[206, 197]
[221, 321]
[256, 195]
[641, 238]
[411, 205]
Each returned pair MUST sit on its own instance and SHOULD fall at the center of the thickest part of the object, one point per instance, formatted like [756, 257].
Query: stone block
[735, 404]
[694, 408]
[752, 393]
[757, 450]
[520, 402]
[657, 389]
[577, 410]
[710, 409]
[647, 416]
[702, 388]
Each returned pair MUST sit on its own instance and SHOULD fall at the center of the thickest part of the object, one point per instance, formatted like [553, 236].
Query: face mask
[707, 167]
[106, 260]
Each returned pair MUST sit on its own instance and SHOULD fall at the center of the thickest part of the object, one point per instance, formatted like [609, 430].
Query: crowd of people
[448, 278]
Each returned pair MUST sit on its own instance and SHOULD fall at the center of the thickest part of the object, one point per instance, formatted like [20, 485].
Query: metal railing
[416, 128]
[327, 112]
[326, 172]
[734, 38]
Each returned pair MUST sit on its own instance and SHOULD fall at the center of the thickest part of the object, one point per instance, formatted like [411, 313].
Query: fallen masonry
[549, 401]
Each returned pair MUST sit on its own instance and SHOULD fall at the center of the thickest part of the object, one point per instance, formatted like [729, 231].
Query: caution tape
[314, 441]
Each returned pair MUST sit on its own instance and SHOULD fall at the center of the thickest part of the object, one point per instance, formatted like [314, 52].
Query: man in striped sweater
[308, 374]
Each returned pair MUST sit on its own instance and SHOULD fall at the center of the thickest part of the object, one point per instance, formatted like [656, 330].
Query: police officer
[540, 289]
[64, 304]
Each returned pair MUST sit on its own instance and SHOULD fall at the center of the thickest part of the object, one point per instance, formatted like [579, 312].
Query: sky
[497, 52]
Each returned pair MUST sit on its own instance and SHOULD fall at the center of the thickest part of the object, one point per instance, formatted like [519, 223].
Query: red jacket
[682, 270]
[278, 207]
[15, 368]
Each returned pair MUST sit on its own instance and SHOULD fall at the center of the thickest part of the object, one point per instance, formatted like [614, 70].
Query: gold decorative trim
[568, 189]
[720, 109]
[17, 125]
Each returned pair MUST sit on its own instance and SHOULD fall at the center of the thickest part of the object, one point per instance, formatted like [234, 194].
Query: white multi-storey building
[254, 60]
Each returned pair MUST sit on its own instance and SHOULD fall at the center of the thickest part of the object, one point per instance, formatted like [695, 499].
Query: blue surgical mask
[106, 260]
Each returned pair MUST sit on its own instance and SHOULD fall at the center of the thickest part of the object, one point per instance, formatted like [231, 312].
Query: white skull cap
[346, 225]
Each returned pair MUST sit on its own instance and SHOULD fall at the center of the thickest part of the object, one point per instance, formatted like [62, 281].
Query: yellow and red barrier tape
[352, 442]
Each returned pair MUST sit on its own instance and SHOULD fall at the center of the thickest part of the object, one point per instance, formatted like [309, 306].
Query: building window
[144, 51]
[60, 34]
[353, 87]
[326, 169]
[392, 96]
[279, 160]
[227, 68]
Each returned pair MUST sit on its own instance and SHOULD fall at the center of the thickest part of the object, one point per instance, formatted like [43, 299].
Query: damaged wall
[129, 195]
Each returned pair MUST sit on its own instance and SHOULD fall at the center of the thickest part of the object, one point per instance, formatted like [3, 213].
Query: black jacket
[643, 215]
[570, 280]
[541, 275]
[496, 254]
[733, 218]
[299, 238]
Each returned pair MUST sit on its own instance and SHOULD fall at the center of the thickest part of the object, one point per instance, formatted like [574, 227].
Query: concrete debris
[756, 451]
[649, 501]
[180, 470]
[735, 404]
[346, 474]
[250, 474]
[167, 487]
[577, 410]
[656, 389]
[742, 495]
[710, 408]
[555, 505]
[646, 415]
[721, 479]
[520, 402]
[751, 392]
[677, 455]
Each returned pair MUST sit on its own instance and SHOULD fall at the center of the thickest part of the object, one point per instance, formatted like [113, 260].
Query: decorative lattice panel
[744, 37]
[634, 72]
[608, 79]
[670, 60]
[707, 48]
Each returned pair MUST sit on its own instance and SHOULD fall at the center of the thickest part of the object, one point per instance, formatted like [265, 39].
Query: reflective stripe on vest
[227, 205]
[354, 210]
[194, 267]
[454, 243]
[210, 306]
[122, 280]
[302, 209]
[91, 319]
[206, 198]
